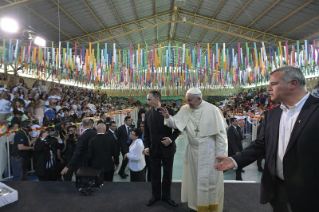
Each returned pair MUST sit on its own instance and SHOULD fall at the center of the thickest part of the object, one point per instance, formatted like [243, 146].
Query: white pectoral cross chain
[197, 131]
[197, 127]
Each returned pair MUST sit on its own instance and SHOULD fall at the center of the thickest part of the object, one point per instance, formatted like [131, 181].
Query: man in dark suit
[79, 158]
[234, 143]
[102, 150]
[124, 141]
[140, 120]
[159, 141]
[289, 140]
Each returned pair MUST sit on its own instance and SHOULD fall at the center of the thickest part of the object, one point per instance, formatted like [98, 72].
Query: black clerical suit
[79, 158]
[124, 143]
[300, 161]
[155, 131]
[101, 150]
[234, 145]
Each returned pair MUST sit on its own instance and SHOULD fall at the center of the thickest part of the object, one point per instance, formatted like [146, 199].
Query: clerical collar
[156, 109]
[100, 133]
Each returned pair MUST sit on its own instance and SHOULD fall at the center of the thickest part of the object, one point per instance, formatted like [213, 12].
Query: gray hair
[289, 73]
[241, 121]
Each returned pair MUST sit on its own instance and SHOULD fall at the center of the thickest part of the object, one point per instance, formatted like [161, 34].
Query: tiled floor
[251, 172]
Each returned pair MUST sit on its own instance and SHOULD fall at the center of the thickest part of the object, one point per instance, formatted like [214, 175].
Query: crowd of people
[147, 147]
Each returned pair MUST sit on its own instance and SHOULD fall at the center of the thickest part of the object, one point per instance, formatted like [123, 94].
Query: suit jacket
[234, 141]
[139, 123]
[155, 131]
[240, 133]
[79, 158]
[300, 162]
[101, 150]
[121, 135]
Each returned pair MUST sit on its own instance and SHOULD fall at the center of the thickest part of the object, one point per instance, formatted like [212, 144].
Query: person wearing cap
[21, 152]
[202, 185]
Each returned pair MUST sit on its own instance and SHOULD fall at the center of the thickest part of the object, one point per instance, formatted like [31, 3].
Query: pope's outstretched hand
[164, 112]
[224, 163]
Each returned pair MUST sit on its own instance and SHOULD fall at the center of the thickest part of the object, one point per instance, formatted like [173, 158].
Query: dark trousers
[148, 168]
[20, 168]
[161, 188]
[280, 202]
[238, 174]
[138, 176]
[108, 176]
[50, 175]
[124, 162]
[69, 174]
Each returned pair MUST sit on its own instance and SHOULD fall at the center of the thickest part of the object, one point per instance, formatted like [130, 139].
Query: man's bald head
[86, 123]
[101, 128]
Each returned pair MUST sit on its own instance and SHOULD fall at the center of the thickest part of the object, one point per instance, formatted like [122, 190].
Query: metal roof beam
[136, 25]
[155, 8]
[241, 9]
[97, 18]
[301, 25]
[287, 16]
[138, 17]
[189, 29]
[68, 14]
[263, 13]
[220, 5]
[284, 18]
[18, 3]
[232, 29]
[123, 29]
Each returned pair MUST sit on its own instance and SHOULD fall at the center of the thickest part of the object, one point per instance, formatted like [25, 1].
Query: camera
[58, 127]
[50, 142]
[71, 136]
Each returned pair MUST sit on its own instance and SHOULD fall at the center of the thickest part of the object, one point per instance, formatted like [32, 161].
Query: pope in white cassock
[202, 184]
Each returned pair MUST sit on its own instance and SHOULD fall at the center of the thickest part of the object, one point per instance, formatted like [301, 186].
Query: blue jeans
[248, 128]
[19, 168]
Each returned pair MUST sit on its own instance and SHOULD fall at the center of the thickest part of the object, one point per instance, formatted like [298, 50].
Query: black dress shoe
[123, 176]
[170, 202]
[239, 179]
[152, 201]
[243, 171]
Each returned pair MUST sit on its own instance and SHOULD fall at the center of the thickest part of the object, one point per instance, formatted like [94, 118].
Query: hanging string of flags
[170, 68]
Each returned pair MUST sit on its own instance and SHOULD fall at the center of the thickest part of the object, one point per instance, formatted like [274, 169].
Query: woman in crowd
[136, 157]
[5, 106]
[39, 112]
[16, 104]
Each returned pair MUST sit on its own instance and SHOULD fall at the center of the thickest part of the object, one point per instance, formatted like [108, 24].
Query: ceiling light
[9, 25]
[39, 41]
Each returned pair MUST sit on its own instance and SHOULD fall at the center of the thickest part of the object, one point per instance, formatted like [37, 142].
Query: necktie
[128, 135]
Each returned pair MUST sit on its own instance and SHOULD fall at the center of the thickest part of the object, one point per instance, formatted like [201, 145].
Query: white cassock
[202, 184]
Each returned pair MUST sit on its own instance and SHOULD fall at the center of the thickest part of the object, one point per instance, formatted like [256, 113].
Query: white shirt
[287, 122]
[44, 88]
[5, 106]
[135, 156]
